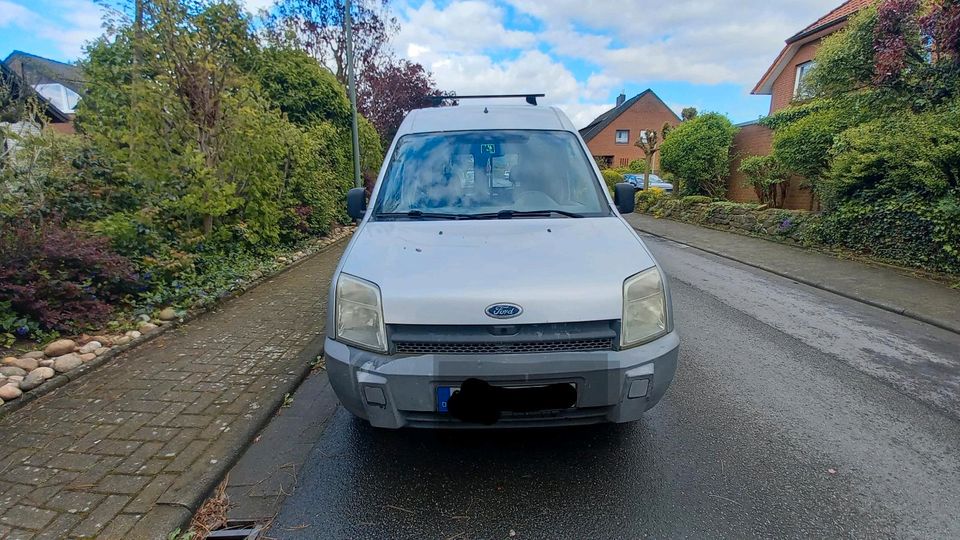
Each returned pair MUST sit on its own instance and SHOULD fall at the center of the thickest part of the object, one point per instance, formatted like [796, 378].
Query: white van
[493, 282]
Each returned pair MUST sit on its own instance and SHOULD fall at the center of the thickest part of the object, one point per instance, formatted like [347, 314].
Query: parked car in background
[655, 181]
[468, 297]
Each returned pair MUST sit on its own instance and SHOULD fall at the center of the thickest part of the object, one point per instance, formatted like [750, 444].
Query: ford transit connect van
[493, 282]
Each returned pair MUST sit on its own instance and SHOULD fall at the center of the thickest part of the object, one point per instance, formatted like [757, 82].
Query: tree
[406, 83]
[316, 26]
[698, 153]
[303, 89]
[768, 178]
[803, 146]
[688, 113]
[649, 143]
[387, 87]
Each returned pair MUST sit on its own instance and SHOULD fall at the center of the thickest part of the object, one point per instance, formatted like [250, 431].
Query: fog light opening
[374, 395]
[638, 388]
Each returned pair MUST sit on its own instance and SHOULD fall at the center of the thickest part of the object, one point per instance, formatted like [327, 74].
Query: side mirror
[356, 203]
[624, 196]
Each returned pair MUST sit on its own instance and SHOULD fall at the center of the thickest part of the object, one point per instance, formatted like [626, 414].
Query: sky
[706, 54]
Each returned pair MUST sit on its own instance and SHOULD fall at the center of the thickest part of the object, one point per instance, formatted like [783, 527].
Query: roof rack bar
[436, 101]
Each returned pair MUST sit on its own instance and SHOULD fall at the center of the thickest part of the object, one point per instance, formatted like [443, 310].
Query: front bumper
[399, 391]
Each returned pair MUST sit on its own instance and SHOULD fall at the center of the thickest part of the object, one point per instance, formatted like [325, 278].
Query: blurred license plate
[443, 395]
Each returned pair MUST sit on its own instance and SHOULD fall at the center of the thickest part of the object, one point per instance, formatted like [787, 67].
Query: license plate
[444, 393]
[443, 396]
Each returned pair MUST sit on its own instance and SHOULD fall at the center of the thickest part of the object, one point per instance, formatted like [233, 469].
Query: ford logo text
[504, 311]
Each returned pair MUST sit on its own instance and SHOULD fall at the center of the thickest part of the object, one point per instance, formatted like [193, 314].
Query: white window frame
[802, 70]
[626, 139]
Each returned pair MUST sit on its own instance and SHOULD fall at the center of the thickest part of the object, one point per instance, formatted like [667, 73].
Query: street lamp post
[352, 90]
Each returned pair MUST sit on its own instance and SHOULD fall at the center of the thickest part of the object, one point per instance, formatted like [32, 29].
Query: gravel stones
[90, 347]
[8, 371]
[60, 347]
[26, 364]
[65, 363]
[9, 391]
[167, 314]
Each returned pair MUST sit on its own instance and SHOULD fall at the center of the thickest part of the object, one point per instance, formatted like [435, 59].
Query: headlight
[644, 308]
[360, 314]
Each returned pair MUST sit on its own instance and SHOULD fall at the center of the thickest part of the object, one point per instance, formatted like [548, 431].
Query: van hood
[449, 272]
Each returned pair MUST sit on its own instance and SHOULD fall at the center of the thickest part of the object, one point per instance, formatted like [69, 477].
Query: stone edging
[899, 310]
[61, 379]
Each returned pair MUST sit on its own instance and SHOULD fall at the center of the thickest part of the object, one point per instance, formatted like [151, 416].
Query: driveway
[795, 413]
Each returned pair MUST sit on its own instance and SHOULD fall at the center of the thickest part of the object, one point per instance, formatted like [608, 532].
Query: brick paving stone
[60, 527]
[27, 517]
[100, 517]
[74, 462]
[122, 484]
[119, 526]
[74, 502]
[145, 500]
[187, 456]
[118, 456]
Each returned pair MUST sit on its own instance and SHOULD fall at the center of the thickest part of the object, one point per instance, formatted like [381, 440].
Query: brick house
[783, 82]
[611, 136]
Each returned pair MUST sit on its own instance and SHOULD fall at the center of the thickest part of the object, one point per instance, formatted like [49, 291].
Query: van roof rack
[436, 101]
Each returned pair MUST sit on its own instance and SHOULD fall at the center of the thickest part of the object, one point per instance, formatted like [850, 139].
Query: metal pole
[352, 90]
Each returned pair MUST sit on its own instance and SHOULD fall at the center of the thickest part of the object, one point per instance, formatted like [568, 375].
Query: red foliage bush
[65, 279]
[896, 25]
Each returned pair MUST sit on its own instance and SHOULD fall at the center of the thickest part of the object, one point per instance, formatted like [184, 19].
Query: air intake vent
[519, 347]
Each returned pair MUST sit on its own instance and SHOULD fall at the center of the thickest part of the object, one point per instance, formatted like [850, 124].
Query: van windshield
[477, 174]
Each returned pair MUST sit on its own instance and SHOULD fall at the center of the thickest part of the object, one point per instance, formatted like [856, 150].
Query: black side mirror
[356, 202]
[624, 196]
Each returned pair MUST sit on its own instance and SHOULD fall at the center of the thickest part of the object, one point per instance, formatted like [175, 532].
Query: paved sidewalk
[128, 451]
[879, 286]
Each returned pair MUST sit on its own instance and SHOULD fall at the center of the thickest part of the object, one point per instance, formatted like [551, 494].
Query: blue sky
[706, 54]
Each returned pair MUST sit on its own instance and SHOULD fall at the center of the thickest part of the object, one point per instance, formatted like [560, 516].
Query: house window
[800, 90]
[623, 136]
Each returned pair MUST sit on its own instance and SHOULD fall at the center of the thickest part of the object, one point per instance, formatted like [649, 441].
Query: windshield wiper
[417, 214]
[507, 214]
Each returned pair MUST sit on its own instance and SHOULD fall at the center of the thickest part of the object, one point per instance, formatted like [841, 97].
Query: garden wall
[791, 226]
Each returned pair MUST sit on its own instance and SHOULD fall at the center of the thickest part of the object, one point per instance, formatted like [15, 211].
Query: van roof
[481, 117]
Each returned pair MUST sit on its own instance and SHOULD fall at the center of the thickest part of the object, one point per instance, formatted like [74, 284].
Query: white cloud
[698, 42]
[70, 24]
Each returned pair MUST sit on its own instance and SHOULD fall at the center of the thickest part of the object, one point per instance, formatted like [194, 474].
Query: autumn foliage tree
[406, 83]
[387, 87]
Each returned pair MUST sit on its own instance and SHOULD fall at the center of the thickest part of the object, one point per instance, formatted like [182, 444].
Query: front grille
[571, 345]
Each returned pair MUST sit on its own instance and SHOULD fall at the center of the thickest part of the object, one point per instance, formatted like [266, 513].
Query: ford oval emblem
[503, 311]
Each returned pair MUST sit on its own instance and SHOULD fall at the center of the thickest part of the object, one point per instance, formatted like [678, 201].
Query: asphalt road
[794, 413]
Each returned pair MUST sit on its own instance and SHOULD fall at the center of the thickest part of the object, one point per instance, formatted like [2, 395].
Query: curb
[185, 506]
[949, 326]
[61, 379]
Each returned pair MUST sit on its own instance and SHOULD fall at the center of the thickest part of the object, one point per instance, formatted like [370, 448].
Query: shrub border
[899, 310]
[62, 379]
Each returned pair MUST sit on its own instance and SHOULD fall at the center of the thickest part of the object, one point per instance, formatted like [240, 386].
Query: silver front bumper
[397, 391]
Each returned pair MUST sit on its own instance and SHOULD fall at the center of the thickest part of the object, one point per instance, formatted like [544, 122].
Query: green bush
[902, 228]
[611, 178]
[698, 153]
[637, 166]
[647, 198]
[767, 177]
[906, 152]
[696, 199]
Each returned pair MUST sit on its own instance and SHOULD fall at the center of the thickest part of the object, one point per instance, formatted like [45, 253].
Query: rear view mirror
[624, 196]
[356, 203]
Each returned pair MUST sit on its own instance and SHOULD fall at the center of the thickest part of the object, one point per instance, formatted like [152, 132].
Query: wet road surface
[794, 413]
